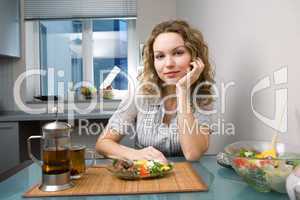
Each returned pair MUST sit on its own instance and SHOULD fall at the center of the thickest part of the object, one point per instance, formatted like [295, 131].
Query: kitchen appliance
[55, 151]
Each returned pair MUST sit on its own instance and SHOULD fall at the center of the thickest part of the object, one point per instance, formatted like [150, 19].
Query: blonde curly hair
[195, 44]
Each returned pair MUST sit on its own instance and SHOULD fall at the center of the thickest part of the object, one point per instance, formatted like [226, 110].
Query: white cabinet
[10, 28]
[9, 145]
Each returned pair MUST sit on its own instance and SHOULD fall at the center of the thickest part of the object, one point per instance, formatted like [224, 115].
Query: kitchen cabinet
[10, 28]
[9, 145]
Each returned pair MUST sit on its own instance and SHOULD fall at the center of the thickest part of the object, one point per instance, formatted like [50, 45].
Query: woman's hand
[191, 76]
[148, 153]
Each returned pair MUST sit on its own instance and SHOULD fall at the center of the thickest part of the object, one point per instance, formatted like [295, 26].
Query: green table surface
[223, 184]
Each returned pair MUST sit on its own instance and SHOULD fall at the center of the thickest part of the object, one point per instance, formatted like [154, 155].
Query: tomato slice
[144, 171]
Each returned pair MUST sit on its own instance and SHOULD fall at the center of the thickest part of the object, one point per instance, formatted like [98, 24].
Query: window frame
[33, 56]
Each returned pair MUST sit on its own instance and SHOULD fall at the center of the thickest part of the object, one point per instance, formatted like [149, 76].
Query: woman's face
[171, 58]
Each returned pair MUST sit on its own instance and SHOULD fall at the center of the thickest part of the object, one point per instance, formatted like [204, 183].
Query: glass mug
[78, 155]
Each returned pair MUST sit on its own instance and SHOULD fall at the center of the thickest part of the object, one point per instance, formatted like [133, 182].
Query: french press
[55, 150]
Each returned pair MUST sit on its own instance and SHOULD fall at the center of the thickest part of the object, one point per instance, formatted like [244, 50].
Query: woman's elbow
[195, 155]
[192, 157]
[100, 145]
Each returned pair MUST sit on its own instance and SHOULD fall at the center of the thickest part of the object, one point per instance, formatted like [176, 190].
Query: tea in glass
[77, 158]
[56, 160]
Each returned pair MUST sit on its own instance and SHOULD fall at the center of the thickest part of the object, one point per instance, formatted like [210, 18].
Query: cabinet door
[10, 28]
[9, 145]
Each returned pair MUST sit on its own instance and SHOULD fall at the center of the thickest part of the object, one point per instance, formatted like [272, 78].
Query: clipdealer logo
[279, 121]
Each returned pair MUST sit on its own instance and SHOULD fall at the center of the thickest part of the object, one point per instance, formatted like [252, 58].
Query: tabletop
[223, 184]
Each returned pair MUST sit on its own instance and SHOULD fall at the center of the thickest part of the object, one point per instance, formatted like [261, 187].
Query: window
[84, 50]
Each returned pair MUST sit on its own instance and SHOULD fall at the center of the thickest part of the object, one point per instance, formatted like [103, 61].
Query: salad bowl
[263, 167]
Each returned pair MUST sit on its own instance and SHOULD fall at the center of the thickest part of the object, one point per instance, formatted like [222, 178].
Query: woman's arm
[194, 138]
[108, 145]
[121, 123]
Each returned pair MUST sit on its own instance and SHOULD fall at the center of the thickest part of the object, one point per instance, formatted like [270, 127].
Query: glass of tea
[78, 155]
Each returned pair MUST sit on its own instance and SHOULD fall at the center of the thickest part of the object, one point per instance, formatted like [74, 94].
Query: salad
[265, 170]
[140, 169]
[268, 154]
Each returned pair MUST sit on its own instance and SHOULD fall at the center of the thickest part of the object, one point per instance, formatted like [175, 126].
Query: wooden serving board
[99, 181]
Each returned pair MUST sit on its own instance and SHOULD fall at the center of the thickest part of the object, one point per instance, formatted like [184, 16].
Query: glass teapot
[55, 151]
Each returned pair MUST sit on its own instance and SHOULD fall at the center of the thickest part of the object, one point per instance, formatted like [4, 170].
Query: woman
[165, 120]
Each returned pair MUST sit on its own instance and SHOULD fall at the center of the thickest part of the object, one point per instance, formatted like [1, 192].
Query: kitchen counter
[14, 116]
[223, 184]
[108, 108]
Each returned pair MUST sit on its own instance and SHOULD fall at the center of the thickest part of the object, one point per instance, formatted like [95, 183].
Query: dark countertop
[108, 108]
[14, 116]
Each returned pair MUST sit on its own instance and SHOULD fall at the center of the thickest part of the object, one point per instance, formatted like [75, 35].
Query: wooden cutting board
[98, 181]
